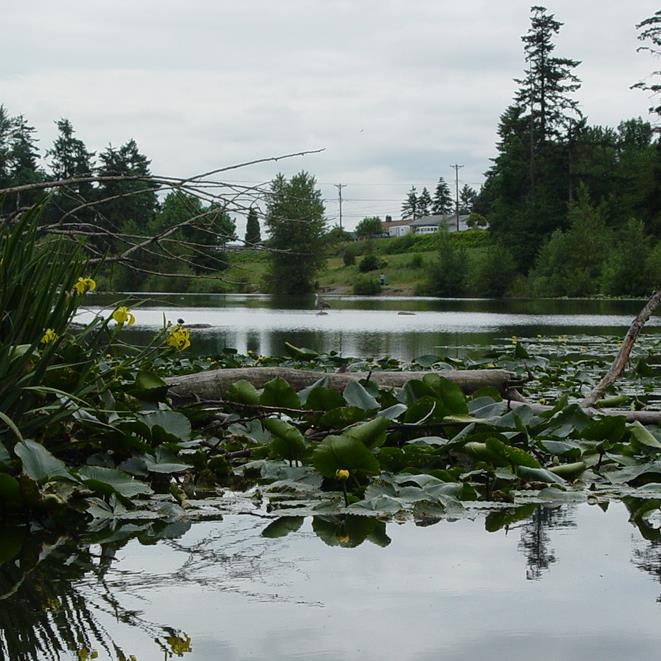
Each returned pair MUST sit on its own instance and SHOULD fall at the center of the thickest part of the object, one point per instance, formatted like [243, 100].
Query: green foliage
[253, 233]
[369, 227]
[442, 202]
[448, 273]
[369, 263]
[366, 285]
[493, 272]
[295, 219]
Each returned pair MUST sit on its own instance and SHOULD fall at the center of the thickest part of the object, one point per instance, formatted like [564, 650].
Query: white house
[430, 224]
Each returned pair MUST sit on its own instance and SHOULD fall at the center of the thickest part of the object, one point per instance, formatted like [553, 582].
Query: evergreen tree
[70, 159]
[442, 203]
[295, 221]
[410, 206]
[467, 197]
[649, 32]
[253, 234]
[528, 188]
[138, 198]
[18, 159]
[424, 203]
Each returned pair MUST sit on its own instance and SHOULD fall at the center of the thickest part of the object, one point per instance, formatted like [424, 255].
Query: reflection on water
[563, 583]
[363, 326]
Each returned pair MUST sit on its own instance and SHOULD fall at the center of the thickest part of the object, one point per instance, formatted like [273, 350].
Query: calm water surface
[367, 326]
[572, 583]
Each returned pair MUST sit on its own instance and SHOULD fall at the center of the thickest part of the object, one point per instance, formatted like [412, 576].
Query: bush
[416, 262]
[449, 271]
[349, 257]
[366, 285]
[369, 263]
[493, 272]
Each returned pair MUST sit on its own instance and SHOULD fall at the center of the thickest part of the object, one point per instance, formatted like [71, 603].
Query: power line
[339, 195]
[456, 183]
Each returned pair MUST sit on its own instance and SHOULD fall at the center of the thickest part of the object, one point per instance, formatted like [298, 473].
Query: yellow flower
[342, 539]
[514, 340]
[178, 338]
[49, 336]
[122, 316]
[342, 474]
[83, 285]
[179, 644]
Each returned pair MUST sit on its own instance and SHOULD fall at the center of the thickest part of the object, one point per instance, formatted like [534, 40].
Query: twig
[620, 362]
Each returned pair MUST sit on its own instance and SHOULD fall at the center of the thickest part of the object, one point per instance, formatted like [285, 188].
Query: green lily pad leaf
[343, 452]
[430, 440]
[539, 475]
[164, 461]
[393, 412]
[166, 425]
[569, 471]
[630, 473]
[319, 383]
[10, 493]
[356, 395]
[301, 353]
[449, 393]
[520, 351]
[288, 442]
[283, 526]
[324, 399]
[516, 456]
[39, 464]
[149, 387]
[568, 421]
[111, 480]
[243, 392]
[11, 543]
[644, 437]
[342, 417]
[378, 505]
[277, 392]
[485, 407]
[558, 447]
[4, 455]
[372, 433]
[427, 360]
[610, 429]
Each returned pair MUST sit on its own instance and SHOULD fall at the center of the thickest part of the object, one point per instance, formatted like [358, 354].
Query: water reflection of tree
[535, 542]
[645, 516]
[53, 597]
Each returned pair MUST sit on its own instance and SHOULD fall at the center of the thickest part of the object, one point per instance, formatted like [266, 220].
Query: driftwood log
[212, 384]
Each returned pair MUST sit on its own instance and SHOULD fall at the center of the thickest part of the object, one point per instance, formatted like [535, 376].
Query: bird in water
[321, 305]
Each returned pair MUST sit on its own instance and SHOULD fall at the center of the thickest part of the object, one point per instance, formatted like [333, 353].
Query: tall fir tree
[125, 200]
[69, 159]
[424, 203]
[442, 203]
[253, 233]
[467, 197]
[528, 188]
[410, 206]
[296, 225]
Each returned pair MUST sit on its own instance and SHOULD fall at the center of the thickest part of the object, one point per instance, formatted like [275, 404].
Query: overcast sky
[394, 90]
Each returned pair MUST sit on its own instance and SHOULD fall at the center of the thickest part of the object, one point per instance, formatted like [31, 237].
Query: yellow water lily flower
[49, 336]
[178, 338]
[342, 474]
[83, 285]
[179, 645]
[342, 539]
[122, 316]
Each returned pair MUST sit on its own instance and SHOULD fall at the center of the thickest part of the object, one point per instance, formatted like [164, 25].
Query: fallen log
[213, 383]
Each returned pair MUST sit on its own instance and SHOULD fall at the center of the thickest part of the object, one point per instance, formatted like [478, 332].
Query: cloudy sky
[394, 90]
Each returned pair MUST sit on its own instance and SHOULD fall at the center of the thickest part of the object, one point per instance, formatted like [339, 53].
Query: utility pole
[339, 194]
[456, 186]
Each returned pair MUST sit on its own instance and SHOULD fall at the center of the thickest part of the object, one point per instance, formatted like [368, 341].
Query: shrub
[349, 257]
[416, 262]
[369, 263]
[366, 285]
[448, 272]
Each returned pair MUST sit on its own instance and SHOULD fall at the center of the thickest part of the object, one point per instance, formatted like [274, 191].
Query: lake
[369, 326]
[571, 582]
[565, 584]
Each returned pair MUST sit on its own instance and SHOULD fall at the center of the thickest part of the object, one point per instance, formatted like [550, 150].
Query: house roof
[434, 220]
[395, 223]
